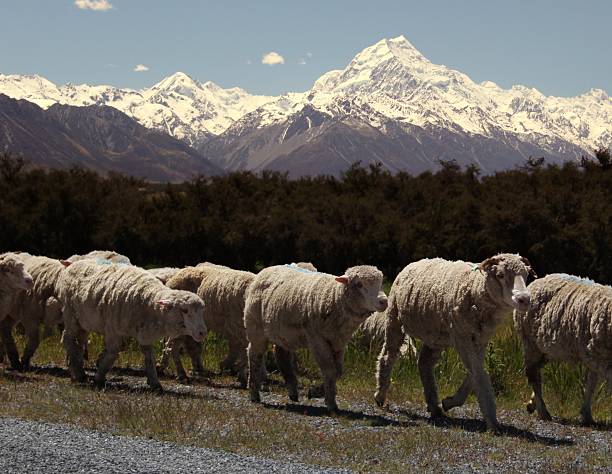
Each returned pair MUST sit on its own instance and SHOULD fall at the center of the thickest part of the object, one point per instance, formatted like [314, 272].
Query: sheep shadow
[119, 386]
[319, 411]
[475, 425]
[15, 376]
[598, 425]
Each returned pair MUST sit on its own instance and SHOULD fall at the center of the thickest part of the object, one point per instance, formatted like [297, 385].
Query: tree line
[560, 217]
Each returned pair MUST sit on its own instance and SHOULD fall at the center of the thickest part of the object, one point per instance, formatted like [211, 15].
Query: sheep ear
[486, 265]
[66, 263]
[342, 279]
[529, 267]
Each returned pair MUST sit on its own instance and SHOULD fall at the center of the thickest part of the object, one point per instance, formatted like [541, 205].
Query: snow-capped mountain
[391, 104]
[178, 105]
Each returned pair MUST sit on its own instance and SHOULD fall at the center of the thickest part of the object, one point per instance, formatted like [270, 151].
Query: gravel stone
[35, 447]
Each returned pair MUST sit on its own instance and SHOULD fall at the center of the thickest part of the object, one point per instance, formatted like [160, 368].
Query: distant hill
[96, 137]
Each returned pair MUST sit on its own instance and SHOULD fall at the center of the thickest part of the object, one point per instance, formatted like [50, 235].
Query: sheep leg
[589, 389]
[284, 362]
[472, 357]
[33, 336]
[533, 363]
[256, 351]
[324, 355]
[195, 350]
[71, 338]
[394, 337]
[106, 360]
[239, 348]
[164, 361]
[428, 358]
[175, 352]
[6, 330]
[149, 360]
[460, 396]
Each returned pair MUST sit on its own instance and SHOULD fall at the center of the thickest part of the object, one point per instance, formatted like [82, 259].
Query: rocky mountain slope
[95, 137]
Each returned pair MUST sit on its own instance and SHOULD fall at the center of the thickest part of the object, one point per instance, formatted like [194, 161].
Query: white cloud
[97, 5]
[302, 62]
[309, 54]
[272, 58]
[141, 68]
[249, 62]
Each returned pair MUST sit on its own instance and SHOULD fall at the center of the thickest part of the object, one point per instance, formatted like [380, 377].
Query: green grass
[218, 415]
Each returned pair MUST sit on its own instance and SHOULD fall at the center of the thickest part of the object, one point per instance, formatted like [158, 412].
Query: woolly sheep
[371, 333]
[121, 301]
[33, 308]
[295, 309]
[223, 292]
[14, 279]
[569, 319]
[102, 255]
[455, 304]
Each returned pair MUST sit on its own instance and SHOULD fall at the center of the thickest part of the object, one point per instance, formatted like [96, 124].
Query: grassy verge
[214, 413]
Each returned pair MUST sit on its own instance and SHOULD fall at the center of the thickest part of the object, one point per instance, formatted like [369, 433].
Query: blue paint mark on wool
[293, 266]
[105, 261]
[576, 279]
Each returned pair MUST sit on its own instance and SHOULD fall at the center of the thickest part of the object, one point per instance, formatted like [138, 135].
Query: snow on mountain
[389, 99]
[178, 105]
[398, 83]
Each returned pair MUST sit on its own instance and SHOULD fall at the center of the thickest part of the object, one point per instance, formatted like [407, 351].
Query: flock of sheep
[442, 303]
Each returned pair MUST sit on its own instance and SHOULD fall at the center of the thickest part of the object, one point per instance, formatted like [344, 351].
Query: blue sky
[560, 47]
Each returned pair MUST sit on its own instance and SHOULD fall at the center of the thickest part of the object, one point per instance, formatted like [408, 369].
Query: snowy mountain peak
[178, 80]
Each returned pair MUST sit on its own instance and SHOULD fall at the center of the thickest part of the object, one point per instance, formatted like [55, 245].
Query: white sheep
[122, 301]
[456, 304]
[223, 292]
[294, 309]
[371, 334]
[14, 279]
[33, 308]
[569, 319]
[104, 256]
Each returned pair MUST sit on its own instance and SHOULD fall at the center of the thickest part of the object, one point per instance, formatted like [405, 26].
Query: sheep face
[185, 315]
[364, 285]
[506, 277]
[13, 273]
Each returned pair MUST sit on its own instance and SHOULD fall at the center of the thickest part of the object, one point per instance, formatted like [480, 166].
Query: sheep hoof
[380, 400]
[294, 396]
[587, 420]
[530, 407]
[436, 412]
[333, 409]
[545, 416]
[99, 384]
[160, 371]
[157, 389]
[183, 379]
[255, 397]
[447, 405]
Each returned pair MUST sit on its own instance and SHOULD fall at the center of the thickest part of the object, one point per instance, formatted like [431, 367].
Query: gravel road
[34, 447]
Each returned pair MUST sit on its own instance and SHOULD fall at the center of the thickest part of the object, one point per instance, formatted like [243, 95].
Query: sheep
[223, 292]
[121, 301]
[163, 274]
[569, 319]
[14, 279]
[295, 309]
[371, 333]
[456, 304]
[33, 308]
[101, 255]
